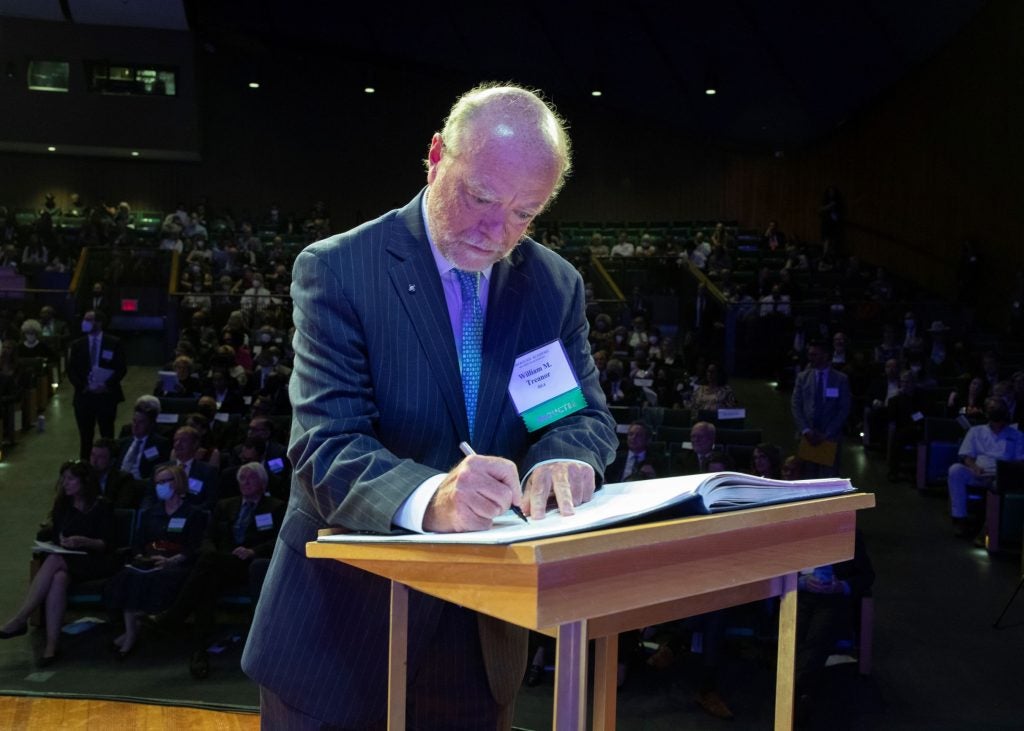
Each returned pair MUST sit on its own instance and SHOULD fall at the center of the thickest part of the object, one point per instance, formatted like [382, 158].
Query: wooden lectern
[594, 585]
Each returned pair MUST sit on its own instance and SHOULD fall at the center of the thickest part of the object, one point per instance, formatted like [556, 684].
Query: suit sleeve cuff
[410, 513]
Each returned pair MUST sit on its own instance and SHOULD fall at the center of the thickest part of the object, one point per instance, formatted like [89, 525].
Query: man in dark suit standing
[406, 334]
[820, 405]
[96, 365]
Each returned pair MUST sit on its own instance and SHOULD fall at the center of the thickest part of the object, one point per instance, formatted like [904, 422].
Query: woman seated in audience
[792, 468]
[711, 394]
[169, 536]
[766, 461]
[79, 521]
[971, 403]
[187, 385]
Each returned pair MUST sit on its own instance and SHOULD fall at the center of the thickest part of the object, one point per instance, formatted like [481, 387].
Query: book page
[613, 503]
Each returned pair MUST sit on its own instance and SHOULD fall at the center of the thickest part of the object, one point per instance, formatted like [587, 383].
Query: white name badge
[222, 417]
[176, 525]
[107, 354]
[916, 416]
[195, 486]
[151, 453]
[831, 392]
[264, 521]
[275, 465]
[544, 387]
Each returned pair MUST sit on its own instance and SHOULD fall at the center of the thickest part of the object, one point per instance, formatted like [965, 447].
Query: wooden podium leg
[571, 677]
[397, 655]
[787, 655]
[606, 676]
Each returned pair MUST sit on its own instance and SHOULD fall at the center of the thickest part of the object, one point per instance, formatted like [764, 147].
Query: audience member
[820, 406]
[242, 528]
[981, 448]
[766, 461]
[826, 611]
[96, 365]
[116, 486]
[79, 521]
[712, 394]
[143, 449]
[702, 443]
[167, 542]
[636, 462]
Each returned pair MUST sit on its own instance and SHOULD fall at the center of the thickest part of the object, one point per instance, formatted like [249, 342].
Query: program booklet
[664, 498]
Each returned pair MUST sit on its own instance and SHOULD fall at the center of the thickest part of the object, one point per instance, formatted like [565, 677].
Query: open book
[661, 499]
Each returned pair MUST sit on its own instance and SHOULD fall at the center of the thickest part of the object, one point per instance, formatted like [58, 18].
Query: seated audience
[712, 394]
[139, 453]
[695, 460]
[635, 462]
[826, 612]
[243, 528]
[766, 461]
[79, 521]
[116, 486]
[167, 542]
[981, 448]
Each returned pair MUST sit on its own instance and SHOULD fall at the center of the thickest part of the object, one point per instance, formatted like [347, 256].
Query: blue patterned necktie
[243, 521]
[472, 341]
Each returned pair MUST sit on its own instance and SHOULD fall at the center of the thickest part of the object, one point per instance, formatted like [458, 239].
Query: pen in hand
[468, 451]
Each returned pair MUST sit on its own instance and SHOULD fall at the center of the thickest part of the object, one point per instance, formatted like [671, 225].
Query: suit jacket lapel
[418, 287]
[501, 339]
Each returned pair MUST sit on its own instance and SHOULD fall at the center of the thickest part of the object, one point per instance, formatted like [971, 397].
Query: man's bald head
[493, 113]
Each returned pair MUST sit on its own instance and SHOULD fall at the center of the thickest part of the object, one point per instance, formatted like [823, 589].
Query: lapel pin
[412, 287]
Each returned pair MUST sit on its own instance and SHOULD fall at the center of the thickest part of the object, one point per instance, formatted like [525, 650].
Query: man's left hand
[572, 483]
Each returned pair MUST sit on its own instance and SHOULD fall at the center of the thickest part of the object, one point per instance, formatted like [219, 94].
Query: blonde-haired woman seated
[170, 533]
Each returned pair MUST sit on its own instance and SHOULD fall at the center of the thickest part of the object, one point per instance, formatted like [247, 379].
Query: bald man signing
[407, 330]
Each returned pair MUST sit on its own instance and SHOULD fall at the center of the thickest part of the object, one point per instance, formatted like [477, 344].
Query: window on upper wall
[104, 77]
[48, 75]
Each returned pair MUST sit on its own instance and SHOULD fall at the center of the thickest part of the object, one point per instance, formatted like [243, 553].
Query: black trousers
[92, 409]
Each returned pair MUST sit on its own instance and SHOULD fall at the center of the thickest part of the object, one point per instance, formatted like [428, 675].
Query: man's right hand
[472, 495]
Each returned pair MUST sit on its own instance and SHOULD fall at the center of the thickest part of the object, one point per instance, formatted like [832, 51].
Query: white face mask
[86, 326]
[31, 339]
[164, 491]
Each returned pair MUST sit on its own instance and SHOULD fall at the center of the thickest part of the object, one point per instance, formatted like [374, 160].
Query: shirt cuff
[522, 483]
[410, 513]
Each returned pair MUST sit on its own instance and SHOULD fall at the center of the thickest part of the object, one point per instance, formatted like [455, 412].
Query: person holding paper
[820, 405]
[83, 524]
[435, 324]
[96, 365]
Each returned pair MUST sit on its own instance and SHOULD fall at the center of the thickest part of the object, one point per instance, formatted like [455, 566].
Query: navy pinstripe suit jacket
[378, 408]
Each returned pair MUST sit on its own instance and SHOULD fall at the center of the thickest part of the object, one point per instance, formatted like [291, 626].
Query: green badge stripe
[554, 409]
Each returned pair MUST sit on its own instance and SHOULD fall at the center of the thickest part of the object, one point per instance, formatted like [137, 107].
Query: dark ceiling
[787, 72]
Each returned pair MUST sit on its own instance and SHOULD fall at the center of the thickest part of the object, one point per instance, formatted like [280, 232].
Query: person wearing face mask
[242, 528]
[256, 298]
[166, 544]
[981, 448]
[96, 365]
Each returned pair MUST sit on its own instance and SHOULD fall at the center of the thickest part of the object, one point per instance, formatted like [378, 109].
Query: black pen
[468, 451]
